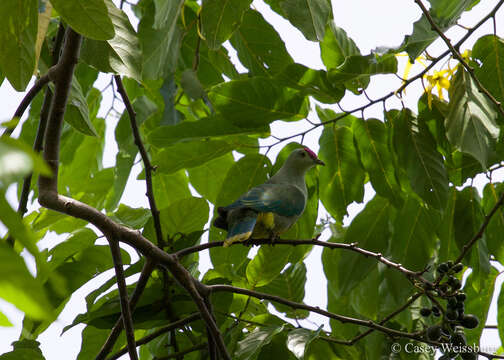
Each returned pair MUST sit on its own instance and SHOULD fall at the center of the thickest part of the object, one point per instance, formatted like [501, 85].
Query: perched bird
[267, 210]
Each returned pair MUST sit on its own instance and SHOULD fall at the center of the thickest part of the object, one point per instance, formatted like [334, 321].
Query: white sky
[370, 24]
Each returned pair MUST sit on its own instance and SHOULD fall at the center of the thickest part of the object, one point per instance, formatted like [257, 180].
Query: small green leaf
[491, 194]
[309, 16]
[88, 17]
[4, 320]
[24, 350]
[18, 33]
[336, 46]
[257, 101]
[220, 18]
[471, 123]
[342, 179]
[135, 218]
[250, 347]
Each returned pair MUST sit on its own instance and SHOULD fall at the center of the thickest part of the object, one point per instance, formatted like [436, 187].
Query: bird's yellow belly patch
[264, 225]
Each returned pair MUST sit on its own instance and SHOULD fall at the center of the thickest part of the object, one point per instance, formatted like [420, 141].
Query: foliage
[394, 273]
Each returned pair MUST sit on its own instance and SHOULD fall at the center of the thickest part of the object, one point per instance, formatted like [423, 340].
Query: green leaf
[170, 188]
[354, 72]
[414, 235]
[491, 194]
[88, 17]
[184, 216]
[24, 350]
[250, 347]
[470, 124]
[166, 12]
[246, 173]
[119, 55]
[18, 286]
[372, 140]
[191, 84]
[135, 218]
[370, 229]
[311, 82]
[448, 248]
[18, 33]
[206, 128]
[489, 50]
[309, 16]
[290, 284]
[445, 13]
[417, 154]
[208, 178]
[220, 18]
[256, 102]
[336, 46]
[298, 341]
[189, 154]
[4, 320]
[92, 341]
[15, 164]
[342, 178]
[259, 47]
[160, 46]
[267, 265]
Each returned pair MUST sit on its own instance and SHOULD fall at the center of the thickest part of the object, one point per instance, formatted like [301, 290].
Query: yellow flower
[439, 80]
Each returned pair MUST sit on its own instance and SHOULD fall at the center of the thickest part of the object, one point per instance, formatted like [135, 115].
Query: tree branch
[145, 159]
[459, 57]
[123, 298]
[184, 352]
[135, 297]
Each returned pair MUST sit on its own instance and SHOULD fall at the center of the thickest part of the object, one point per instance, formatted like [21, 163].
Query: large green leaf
[311, 82]
[267, 265]
[119, 55]
[336, 46]
[88, 17]
[160, 46]
[489, 50]
[24, 350]
[250, 347]
[18, 33]
[257, 101]
[491, 194]
[471, 123]
[189, 154]
[220, 18]
[298, 341]
[169, 188]
[206, 128]
[372, 140]
[417, 154]
[166, 12]
[208, 178]
[370, 229]
[414, 235]
[18, 286]
[259, 47]
[342, 178]
[246, 173]
[448, 248]
[309, 16]
[184, 216]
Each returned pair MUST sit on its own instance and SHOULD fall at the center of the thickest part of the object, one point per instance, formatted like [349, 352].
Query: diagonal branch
[135, 297]
[146, 339]
[456, 54]
[145, 159]
[123, 298]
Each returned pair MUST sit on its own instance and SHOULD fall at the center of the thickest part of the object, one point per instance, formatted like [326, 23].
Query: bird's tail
[241, 231]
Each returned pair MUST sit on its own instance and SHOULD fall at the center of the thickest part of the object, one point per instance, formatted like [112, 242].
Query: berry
[457, 268]
[451, 314]
[443, 268]
[469, 321]
[425, 312]
[461, 297]
[434, 332]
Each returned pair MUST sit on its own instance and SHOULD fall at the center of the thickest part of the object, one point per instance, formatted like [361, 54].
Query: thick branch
[123, 298]
[159, 332]
[145, 159]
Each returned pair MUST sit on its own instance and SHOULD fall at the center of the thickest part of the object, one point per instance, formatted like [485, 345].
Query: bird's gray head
[303, 159]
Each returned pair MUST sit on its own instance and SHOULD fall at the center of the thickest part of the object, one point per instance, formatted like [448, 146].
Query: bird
[270, 209]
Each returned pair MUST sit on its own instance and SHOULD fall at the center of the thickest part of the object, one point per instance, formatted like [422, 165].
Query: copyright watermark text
[415, 348]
